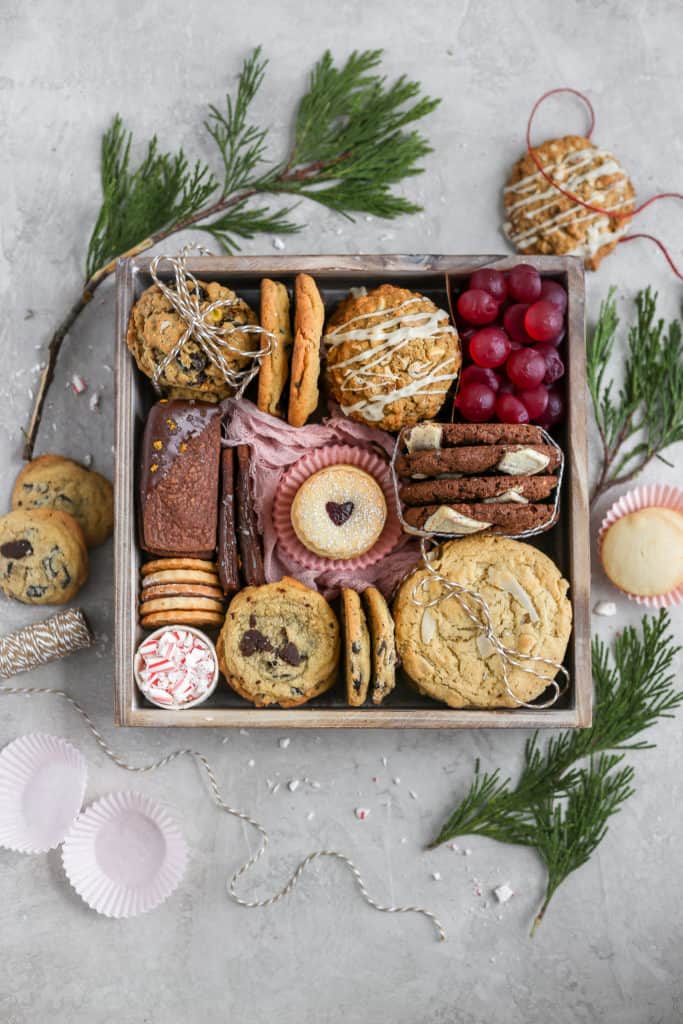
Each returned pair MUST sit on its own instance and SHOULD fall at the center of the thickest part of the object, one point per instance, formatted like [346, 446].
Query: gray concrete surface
[611, 947]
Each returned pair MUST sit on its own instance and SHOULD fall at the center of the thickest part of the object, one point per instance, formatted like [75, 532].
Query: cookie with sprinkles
[541, 220]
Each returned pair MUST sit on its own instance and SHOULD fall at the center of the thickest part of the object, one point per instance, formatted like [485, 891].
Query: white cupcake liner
[42, 785]
[124, 855]
[647, 496]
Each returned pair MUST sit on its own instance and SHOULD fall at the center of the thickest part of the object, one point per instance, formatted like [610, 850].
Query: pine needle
[567, 791]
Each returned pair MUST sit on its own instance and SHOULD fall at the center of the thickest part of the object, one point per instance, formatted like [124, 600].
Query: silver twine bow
[477, 610]
[212, 337]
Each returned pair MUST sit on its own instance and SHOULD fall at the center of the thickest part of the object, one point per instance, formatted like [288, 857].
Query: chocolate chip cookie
[356, 648]
[155, 328]
[279, 644]
[444, 653]
[52, 481]
[43, 557]
[384, 657]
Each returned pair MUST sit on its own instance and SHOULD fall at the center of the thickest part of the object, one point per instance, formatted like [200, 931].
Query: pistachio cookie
[448, 658]
[356, 648]
[43, 557]
[155, 328]
[280, 644]
[540, 219]
[52, 481]
[392, 355]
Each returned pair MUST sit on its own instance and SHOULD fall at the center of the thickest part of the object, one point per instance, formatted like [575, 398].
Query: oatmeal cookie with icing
[280, 644]
[53, 481]
[392, 356]
[155, 327]
[43, 557]
[541, 220]
[441, 649]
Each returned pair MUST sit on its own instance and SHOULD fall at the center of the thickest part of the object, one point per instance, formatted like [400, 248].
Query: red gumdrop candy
[479, 375]
[476, 402]
[477, 307]
[554, 367]
[554, 412]
[534, 400]
[513, 322]
[509, 409]
[491, 281]
[524, 283]
[543, 320]
[490, 347]
[525, 368]
[551, 291]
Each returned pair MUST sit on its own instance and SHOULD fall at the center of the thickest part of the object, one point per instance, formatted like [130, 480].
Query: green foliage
[163, 189]
[247, 222]
[568, 790]
[645, 416]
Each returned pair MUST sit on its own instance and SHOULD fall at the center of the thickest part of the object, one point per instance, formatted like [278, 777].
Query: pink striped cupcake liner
[293, 478]
[647, 496]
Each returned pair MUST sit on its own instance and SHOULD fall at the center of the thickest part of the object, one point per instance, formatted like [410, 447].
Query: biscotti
[179, 468]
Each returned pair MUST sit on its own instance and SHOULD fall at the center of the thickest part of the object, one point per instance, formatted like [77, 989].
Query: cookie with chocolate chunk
[356, 648]
[43, 557]
[53, 481]
[279, 644]
[384, 657]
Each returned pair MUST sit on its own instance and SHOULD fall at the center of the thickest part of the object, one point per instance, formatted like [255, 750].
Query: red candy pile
[175, 667]
[511, 325]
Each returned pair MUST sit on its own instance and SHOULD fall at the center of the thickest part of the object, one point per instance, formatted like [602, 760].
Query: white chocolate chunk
[484, 646]
[512, 496]
[447, 520]
[358, 293]
[428, 628]
[424, 437]
[504, 580]
[523, 462]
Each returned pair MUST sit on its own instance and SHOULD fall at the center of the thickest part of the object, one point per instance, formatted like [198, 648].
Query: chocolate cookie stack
[464, 478]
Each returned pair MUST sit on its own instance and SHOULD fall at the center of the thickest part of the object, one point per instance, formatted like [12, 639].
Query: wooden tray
[567, 543]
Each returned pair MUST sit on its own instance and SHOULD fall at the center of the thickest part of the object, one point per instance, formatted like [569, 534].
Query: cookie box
[567, 543]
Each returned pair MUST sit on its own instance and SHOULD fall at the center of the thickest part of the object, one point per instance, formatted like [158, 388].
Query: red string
[623, 215]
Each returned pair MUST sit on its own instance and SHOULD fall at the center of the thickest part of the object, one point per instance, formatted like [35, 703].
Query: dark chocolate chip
[382, 647]
[35, 591]
[290, 653]
[16, 549]
[339, 513]
[357, 684]
[252, 621]
[355, 647]
[254, 641]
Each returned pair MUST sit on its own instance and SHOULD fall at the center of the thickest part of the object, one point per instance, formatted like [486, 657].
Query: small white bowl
[42, 785]
[191, 703]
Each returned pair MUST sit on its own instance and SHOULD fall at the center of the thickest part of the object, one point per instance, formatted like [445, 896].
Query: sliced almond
[424, 437]
[512, 496]
[523, 462]
[447, 520]
[504, 580]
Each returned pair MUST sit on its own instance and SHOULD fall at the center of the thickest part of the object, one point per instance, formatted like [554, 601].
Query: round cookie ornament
[448, 657]
[392, 356]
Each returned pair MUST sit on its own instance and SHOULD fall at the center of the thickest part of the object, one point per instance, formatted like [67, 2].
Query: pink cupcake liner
[42, 785]
[124, 855]
[647, 496]
[291, 481]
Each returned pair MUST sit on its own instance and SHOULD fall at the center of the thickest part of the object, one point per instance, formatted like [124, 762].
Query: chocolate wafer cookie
[459, 519]
[472, 459]
[519, 490]
[428, 435]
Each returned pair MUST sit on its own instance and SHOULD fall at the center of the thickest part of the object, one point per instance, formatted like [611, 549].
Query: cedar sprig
[354, 140]
[637, 422]
[634, 688]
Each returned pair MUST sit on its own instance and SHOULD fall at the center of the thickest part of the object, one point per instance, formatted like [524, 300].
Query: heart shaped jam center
[339, 513]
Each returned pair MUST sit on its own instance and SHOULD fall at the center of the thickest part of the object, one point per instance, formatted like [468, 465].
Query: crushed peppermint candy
[503, 893]
[78, 384]
[436, 875]
[94, 402]
[293, 785]
[605, 608]
[176, 667]
[284, 742]
[361, 813]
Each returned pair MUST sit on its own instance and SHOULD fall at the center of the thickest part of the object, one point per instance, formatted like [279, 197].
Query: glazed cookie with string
[392, 356]
[541, 219]
[449, 657]
[155, 328]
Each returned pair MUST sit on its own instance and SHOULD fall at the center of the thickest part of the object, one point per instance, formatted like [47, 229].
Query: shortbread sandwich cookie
[188, 604]
[182, 590]
[384, 657]
[196, 564]
[182, 618]
[356, 646]
[154, 579]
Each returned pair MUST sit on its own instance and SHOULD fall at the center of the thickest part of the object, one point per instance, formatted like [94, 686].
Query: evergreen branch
[349, 150]
[649, 404]
[634, 688]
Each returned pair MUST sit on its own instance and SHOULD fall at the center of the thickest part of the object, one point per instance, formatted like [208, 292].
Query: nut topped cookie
[444, 653]
[279, 644]
[540, 219]
[52, 481]
[43, 557]
[391, 357]
[155, 328]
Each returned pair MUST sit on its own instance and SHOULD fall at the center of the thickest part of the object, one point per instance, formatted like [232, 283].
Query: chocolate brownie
[461, 519]
[472, 459]
[526, 488]
[179, 468]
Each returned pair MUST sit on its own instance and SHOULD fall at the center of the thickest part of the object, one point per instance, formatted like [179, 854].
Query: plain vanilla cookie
[444, 653]
[642, 553]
